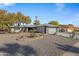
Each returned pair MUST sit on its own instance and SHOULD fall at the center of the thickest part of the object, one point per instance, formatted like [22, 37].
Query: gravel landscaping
[49, 45]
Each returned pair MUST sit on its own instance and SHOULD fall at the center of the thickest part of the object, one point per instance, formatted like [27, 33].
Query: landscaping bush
[32, 31]
[33, 34]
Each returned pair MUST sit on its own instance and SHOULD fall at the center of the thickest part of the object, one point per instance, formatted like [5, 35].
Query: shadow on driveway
[67, 48]
[17, 50]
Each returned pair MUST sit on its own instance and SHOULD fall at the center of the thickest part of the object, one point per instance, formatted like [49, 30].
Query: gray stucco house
[43, 28]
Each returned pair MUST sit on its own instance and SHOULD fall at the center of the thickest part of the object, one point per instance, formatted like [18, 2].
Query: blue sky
[66, 13]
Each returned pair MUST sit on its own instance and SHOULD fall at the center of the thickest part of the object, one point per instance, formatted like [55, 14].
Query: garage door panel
[51, 30]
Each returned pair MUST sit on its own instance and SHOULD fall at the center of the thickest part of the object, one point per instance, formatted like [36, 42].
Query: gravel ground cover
[49, 45]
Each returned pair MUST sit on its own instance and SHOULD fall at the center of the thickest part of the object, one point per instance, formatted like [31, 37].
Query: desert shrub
[32, 33]
[17, 27]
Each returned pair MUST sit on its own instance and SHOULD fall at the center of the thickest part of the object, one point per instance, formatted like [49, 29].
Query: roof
[20, 24]
[67, 26]
[48, 25]
[42, 25]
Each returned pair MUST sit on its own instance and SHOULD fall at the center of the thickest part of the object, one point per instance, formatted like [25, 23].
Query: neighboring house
[77, 29]
[67, 28]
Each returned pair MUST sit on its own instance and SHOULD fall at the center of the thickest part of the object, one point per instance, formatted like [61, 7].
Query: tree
[36, 22]
[19, 16]
[2, 18]
[53, 23]
[26, 19]
[23, 18]
[8, 19]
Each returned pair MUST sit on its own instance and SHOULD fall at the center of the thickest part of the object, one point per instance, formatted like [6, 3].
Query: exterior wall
[69, 30]
[76, 36]
[26, 30]
[41, 29]
[68, 35]
[12, 29]
[50, 30]
[15, 30]
[47, 30]
[63, 34]
[18, 30]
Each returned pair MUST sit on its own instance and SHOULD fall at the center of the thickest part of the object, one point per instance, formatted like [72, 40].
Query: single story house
[43, 28]
[67, 28]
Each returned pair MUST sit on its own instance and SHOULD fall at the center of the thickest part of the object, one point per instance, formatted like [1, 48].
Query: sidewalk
[74, 51]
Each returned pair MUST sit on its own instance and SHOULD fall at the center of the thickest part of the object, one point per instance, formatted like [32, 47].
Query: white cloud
[77, 15]
[6, 4]
[59, 6]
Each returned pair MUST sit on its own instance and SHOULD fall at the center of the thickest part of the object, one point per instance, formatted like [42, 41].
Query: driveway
[73, 51]
[49, 45]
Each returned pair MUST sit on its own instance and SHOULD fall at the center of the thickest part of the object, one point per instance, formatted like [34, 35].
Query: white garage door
[50, 30]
